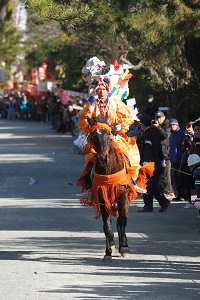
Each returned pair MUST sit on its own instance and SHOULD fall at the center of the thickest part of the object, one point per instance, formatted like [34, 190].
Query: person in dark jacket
[195, 148]
[152, 152]
[161, 123]
[194, 164]
[175, 153]
[151, 108]
[186, 179]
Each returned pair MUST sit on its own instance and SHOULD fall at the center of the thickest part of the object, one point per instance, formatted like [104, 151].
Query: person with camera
[161, 123]
[149, 144]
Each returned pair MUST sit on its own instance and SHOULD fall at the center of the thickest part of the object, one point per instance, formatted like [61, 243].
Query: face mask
[150, 100]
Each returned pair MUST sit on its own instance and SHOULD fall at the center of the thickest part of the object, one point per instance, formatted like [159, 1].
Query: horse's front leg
[121, 224]
[108, 231]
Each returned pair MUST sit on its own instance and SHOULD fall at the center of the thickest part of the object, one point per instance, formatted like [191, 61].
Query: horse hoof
[125, 252]
[107, 259]
[113, 248]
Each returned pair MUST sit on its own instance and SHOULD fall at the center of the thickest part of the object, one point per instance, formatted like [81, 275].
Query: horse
[111, 187]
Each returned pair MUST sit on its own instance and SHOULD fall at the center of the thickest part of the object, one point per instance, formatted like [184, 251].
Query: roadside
[52, 248]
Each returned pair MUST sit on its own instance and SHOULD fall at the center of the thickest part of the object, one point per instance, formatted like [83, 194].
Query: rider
[119, 116]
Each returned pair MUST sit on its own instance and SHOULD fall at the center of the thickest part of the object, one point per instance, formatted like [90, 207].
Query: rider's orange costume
[118, 113]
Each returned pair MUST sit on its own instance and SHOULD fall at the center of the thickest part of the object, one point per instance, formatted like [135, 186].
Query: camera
[154, 122]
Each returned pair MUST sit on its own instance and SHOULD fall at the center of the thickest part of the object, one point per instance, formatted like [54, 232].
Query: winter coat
[164, 131]
[175, 148]
[152, 149]
[151, 108]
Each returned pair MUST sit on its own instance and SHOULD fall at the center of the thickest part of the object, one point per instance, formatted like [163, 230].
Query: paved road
[52, 248]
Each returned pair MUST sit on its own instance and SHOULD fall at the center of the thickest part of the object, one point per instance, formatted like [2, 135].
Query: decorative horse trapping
[113, 187]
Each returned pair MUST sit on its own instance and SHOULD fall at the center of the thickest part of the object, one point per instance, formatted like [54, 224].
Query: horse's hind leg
[108, 231]
[123, 245]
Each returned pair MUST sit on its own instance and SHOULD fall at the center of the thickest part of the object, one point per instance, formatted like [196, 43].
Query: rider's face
[102, 92]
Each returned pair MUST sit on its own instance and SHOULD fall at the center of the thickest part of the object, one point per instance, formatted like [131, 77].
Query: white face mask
[150, 100]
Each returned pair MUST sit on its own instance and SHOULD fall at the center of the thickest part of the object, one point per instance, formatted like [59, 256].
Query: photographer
[151, 151]
[161, 123]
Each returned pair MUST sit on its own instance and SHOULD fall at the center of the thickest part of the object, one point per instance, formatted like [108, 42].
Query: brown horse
[111, 188]
[108, 176]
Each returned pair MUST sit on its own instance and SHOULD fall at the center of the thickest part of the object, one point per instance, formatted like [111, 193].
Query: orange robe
[118, 113]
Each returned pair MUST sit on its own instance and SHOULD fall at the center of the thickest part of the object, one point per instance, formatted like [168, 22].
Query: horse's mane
[100, 125]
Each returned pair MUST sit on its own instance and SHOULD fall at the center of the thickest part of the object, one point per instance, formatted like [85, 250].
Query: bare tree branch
[134, 67]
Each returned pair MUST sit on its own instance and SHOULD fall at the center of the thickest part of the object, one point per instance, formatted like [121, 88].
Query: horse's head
[100, 135]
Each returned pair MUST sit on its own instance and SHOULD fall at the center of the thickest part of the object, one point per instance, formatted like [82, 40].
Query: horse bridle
[103, 160]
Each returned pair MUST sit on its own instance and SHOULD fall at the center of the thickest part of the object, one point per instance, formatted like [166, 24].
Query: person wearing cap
[161, 123]
[152, 107]
[151, 151]
[175, 153]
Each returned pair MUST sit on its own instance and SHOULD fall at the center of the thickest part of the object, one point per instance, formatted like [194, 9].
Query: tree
[10, 38]
[153, 35]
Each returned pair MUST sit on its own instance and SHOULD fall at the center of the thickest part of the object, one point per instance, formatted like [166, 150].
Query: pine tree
[10, 38]
[156, 36]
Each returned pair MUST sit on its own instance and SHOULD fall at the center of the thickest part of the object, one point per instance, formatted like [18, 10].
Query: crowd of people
[159, 140]
[62, 116]
[175, 151]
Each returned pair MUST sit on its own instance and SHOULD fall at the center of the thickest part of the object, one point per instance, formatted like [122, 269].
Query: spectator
[162, 125]
[186, 179]
[11, 108]
[152, 107]
[72, 119]
[60, 125]
[196, 142]
[175, 154]
[152, 152]
[194, 164]
[44, 110]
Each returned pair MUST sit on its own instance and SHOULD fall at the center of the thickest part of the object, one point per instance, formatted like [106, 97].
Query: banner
[68, 94]
[42, 72]
[34, 74]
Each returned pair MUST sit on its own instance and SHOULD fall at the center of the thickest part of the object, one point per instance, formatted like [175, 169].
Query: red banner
[42, 71]
[34, 73]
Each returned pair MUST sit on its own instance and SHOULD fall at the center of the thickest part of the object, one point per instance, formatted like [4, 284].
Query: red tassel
[116, 65]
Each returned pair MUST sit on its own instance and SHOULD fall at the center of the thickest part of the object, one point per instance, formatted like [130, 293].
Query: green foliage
[11, 43]
[68, 13]
[156, 34]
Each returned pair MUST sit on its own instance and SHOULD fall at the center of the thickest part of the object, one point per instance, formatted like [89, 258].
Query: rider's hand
[116, 128]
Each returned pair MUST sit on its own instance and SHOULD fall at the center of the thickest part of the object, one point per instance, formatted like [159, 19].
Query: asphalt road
[52, 248]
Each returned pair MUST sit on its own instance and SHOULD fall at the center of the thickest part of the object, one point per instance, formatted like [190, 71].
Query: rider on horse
[119, 118]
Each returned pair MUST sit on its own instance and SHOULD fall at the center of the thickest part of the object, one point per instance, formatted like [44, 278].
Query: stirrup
[85, 195]
[139, 189]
